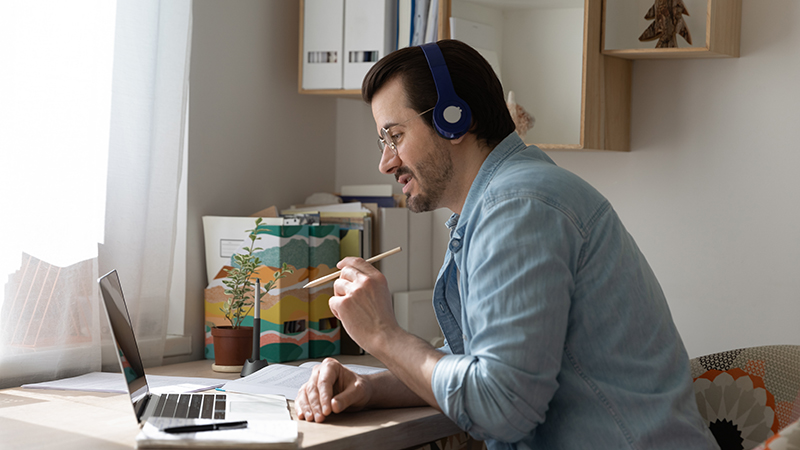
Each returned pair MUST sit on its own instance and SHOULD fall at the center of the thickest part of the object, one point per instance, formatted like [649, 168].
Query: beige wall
[254, 141]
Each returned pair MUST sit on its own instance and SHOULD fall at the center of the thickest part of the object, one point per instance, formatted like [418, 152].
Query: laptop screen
[122, 330]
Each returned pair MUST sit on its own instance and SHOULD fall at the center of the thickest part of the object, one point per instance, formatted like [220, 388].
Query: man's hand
[332, 388]
[363, 303]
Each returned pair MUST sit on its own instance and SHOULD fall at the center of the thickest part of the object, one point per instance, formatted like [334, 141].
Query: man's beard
[432, 176]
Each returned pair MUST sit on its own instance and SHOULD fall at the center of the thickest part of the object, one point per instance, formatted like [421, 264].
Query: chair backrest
[747, 395]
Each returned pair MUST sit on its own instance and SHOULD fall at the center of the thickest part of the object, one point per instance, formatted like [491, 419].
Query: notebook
[269, 423]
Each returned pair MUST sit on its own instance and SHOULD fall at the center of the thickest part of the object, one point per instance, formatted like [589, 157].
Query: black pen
[206, 427]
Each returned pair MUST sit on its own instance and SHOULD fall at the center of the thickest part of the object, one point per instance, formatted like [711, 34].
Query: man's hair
[473, 79]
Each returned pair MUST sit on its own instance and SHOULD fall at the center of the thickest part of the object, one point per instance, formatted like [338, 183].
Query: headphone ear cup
[452, 116]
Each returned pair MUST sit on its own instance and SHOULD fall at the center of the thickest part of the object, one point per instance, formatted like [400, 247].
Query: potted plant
[233, 344]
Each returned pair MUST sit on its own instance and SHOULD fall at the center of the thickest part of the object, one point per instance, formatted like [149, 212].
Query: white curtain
[148, 114]
[78, 197]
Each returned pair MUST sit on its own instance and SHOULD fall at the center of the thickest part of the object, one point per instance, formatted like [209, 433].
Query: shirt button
[455, 245]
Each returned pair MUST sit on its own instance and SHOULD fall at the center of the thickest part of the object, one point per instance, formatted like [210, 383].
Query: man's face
[423, 164]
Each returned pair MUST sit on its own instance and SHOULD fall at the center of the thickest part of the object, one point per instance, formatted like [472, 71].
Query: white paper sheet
[115, 383]
[259, 433]
[283, 379]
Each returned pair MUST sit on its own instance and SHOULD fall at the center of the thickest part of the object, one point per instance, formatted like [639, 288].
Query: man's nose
[389, 162]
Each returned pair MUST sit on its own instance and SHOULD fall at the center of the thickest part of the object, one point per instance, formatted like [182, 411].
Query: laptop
[269, 423]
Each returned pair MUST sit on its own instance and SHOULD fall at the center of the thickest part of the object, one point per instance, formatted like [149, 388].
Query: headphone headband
[451, 115]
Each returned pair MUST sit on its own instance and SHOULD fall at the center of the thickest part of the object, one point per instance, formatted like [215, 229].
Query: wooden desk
[49, 419]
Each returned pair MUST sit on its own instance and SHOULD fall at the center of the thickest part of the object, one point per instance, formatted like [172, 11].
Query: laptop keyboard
[191, 406]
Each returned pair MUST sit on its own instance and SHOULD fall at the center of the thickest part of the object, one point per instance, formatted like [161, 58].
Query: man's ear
[457, 140]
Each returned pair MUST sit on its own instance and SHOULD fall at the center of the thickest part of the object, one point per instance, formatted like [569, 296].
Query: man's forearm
[389, 392]
[411, 362]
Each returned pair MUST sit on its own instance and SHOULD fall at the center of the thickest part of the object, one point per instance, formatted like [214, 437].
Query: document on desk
[282, 379]
[115, 383]
[258, 434]
[269, 424]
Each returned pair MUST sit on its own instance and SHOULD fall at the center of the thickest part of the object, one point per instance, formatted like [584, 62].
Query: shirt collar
[509, 146]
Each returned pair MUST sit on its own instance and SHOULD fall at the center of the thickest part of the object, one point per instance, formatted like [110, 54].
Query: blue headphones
[451, 115]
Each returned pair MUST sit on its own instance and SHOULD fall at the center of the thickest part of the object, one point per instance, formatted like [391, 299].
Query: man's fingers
[328, 374]
[351, 397]
[342, 401]
[300, 403]
[312, 398]
[313, 402]
[348, 261]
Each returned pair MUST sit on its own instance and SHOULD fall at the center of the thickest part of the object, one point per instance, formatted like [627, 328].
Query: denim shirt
[557, 332]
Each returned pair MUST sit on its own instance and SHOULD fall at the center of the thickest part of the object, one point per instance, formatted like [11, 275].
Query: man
[557, 332]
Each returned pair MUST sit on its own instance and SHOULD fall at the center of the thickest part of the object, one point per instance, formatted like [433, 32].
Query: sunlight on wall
[55, 100]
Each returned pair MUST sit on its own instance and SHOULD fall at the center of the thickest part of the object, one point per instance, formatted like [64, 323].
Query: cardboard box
[284, 309]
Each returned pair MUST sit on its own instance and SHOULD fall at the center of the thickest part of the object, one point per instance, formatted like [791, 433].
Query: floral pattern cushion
[786, 439]
[747, 395]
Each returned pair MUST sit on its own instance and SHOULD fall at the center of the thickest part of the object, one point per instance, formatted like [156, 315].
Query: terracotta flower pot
[232, 346]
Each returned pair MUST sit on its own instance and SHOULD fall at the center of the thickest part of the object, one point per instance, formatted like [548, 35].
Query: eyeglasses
[386, 139]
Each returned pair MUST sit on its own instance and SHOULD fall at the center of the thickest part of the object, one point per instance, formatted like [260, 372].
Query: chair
[748, 395]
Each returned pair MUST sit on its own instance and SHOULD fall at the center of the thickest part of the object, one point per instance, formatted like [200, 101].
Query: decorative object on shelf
[522, 119]
[233, 344]
[715, 29]
[667, 17]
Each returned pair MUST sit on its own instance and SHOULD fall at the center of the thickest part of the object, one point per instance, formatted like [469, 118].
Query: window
[55, 102]
[92, 117]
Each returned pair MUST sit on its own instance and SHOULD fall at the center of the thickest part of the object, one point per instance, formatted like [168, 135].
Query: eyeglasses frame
[386, 138]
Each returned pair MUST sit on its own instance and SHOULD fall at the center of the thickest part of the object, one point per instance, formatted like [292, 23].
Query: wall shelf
[717, 36]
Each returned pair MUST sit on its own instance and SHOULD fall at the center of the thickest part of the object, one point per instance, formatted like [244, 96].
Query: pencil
[336, 274]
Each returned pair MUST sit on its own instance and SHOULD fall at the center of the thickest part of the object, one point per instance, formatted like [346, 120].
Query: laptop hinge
[142, 408]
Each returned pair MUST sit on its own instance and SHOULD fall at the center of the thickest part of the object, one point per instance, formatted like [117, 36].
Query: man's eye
[397, 136]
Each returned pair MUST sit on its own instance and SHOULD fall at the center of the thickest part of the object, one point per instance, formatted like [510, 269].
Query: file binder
[405, 18]
[420, 251]
[394, 233]
[414, 313]
[420, 22]
[369, 35]
[284, 309]
[323, 28]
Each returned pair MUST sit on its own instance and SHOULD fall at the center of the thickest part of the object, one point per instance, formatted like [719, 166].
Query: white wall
[709, 190]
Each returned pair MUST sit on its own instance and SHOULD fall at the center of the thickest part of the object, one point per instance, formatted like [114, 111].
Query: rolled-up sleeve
[516, 282]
